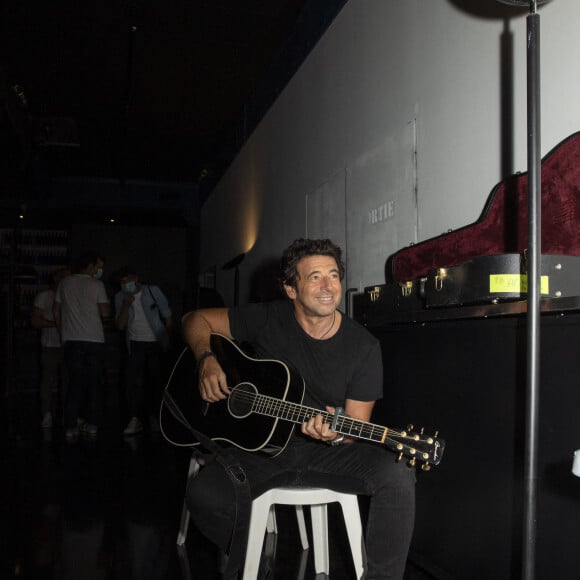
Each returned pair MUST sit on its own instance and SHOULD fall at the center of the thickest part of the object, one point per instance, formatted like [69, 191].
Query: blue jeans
[360, 468]
[85, 363]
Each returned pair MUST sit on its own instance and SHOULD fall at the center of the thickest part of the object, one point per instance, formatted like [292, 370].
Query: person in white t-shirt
[52, 354]
[142, 310]
[80, 304]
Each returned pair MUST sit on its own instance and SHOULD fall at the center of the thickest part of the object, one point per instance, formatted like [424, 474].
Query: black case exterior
[490, 279]
[383, 300]
[482, 280]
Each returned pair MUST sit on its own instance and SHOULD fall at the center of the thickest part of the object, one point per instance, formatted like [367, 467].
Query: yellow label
[515, 283]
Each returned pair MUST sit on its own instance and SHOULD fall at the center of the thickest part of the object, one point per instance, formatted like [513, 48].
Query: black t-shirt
[346, 366]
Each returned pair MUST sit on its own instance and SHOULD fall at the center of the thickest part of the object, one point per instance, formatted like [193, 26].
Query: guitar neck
[296, 413]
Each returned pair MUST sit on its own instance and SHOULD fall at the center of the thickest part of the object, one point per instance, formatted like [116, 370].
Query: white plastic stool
[317, 499]
[263, 519]
[271, 527]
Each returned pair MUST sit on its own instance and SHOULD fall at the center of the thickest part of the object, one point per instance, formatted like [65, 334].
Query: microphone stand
[534, 292]
[534, 286]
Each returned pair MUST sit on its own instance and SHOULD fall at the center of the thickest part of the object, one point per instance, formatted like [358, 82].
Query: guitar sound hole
[241, 399]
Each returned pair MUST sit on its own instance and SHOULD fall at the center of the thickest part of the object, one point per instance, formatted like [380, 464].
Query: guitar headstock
[421, 449]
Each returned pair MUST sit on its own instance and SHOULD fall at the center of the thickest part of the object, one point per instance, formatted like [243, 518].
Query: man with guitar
[340, 363]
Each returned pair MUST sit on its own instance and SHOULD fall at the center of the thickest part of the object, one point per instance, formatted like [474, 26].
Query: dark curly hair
[85, 260]
[302, 248]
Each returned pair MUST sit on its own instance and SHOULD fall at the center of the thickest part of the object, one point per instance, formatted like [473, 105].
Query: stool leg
[184, 524]
[258, 522]
[271, 525]
[184, 562]
[302, 527]
[320, 538]
[351, 514]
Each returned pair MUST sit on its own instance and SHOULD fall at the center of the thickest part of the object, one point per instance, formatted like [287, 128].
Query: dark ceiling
[143, 89]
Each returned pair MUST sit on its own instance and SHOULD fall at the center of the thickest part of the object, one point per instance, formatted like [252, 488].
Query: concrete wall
[394, 130]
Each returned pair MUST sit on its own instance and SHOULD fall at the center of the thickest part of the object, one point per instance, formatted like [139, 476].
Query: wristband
[205, 354]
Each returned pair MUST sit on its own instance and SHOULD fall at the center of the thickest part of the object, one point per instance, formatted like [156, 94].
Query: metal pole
[534, 292]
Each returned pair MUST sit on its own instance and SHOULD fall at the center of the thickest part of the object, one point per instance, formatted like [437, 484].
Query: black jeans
[85, 363]
[360, 468]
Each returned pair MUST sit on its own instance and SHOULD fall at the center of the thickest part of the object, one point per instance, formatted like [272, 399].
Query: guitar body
[228, 421]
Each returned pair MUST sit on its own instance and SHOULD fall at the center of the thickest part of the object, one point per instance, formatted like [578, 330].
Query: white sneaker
[154, 424]
[47, 421]
[135, 426]
[89, 429]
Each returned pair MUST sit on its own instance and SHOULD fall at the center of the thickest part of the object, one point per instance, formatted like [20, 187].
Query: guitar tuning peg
[413, 462]
[410, 427]
[399, 457]
[436, 434]
[422, 430]
[425, 467]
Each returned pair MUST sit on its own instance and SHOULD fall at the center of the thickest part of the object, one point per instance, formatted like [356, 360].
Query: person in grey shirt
[81, 303]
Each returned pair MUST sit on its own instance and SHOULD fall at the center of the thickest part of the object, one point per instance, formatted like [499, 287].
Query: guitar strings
[297, 413]
[272, 406]
[363, 429]
[398, 441]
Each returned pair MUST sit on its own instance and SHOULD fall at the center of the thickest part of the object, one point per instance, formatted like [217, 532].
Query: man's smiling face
[318, 288]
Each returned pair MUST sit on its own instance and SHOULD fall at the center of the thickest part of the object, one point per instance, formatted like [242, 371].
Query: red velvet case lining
[503, 225]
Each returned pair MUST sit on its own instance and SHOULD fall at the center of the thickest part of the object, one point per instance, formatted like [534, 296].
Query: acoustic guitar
[265, 404]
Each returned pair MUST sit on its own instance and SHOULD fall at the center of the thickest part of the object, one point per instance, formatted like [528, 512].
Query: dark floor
[109, 508]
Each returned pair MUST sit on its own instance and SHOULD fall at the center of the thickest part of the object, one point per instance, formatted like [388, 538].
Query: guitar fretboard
[272, 407]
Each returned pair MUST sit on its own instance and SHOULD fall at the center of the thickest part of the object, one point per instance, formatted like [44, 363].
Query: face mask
[98, 274]
[129, 287]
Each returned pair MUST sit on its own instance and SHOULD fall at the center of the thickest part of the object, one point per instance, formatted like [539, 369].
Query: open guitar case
[485, 261]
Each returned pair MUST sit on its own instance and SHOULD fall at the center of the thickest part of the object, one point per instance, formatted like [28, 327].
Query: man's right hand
[213, 384]
[128, 299]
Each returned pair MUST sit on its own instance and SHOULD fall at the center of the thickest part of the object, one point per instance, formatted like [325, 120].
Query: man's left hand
[318, 429]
